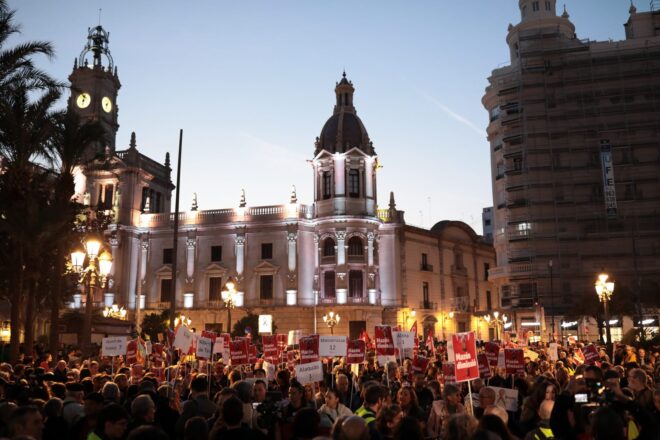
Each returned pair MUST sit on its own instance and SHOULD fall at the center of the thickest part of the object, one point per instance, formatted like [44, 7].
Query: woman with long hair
[387, 421]
[410, 405]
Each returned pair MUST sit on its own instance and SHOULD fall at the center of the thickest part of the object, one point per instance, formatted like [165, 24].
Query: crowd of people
[616, 397]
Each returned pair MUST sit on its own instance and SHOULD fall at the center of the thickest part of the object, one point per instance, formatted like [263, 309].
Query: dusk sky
[251, 83]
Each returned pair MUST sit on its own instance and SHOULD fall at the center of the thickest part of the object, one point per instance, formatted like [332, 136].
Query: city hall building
[342, 252]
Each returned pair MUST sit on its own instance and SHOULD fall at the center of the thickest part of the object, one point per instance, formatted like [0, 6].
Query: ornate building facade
[294, 261]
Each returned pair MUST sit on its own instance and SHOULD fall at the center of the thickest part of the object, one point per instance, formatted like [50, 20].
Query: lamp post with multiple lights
[93, 268]
[604, 290]
[229, 298]
[443, 317]
[496, 322]
[331, 320]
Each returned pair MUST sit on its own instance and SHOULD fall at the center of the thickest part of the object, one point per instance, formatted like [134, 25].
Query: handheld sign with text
[132, 352]
[282, 340]
[356, 352]
[419, 364]
[309, 373]
[252, 354]
[384, 340]
[403, 340]
[484, 366]
[465, 356]
[492, 350]
[270, 347]
[183, 339]
[309, 349]
[591, 355]
[294, 337]
[514, 360]
[204, 348]
[553, 351]
[238, 351]
[114, 346]
[331, 346]
[506, 398]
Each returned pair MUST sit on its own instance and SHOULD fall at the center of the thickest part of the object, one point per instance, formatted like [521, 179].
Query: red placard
[157, 355]
[356, 351]
[514, 360]
[384, 340]
[492, 351]
[238, 351]
[465, 356]
[309, 349]
[591, 355]
[419, 364]
[271, 352]
[484, 366]
[209, 335]
[449, 372]
[282, 340]
[132, 352]
[252, 354]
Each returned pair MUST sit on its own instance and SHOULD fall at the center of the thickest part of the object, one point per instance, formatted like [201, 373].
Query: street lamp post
[604, 290]
[413, 314]
[331, 320]
[229, 296]
[495, 321]
[552, 304]
[92, 275]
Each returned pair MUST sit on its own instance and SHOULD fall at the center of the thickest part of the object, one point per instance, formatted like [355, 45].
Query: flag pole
[175, 233]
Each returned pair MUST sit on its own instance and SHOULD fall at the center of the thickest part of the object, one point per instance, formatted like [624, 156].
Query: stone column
[144, 252]
[191, 243]
[292, 238]
[340, 172]
[240, 254]
[341, 247]
[370, 248]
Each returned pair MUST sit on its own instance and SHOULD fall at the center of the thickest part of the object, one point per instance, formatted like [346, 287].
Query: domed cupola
[344, 130]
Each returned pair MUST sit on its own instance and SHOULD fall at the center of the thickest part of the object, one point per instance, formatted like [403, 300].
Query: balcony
[426, 267]
[426, 305]
[459, 270]
[350, 300]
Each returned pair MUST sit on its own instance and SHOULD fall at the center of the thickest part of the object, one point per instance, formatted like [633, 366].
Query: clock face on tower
[83, 100]
[106, 103]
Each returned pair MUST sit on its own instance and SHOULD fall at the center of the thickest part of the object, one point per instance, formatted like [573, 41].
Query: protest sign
[158, 355]
[450, 349]
[331, 346]
[514, 360]
[183, 339]
[310, 372]
[252, 354]
[270, 347]
[294, 337]
[465, 356]
[506, 398]
[204, 348]
[309, 349]
[484, 366]
[282, 340]
[591, 355]
[419, 364]
[553, 351]
[492, 351]
[356, 352]
[114, 346]
[449, 372]
[238, 351]
[210, 335]
[404, 340]
[384, 341]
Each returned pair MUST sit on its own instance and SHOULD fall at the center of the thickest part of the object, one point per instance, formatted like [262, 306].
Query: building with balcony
[292, 260]
[574, 133]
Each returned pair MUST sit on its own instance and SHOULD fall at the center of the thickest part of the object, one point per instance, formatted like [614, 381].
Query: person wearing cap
[72, 408]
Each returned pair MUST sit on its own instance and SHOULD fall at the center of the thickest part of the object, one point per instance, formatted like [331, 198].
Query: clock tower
[94, 86]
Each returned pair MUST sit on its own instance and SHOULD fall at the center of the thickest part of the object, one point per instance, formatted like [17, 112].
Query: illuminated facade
[295, 261]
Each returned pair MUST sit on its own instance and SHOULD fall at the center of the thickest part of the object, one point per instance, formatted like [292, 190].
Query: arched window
[355, 246]
[355, 284]
[328, 247]
[329, 284]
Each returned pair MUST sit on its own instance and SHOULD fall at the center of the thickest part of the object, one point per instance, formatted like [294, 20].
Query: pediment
[215, 267]
[266, 268]
[165, 269]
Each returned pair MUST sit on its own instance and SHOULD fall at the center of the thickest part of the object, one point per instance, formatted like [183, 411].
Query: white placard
[219, 345]
[382, 359]
[183, 339]
[149, 347]
[270, 370]
[114, 346]
[404, 340]
[506, 398]
[309, 373]
[553, 351]
[204, 348]
[265, 323]
[450, 350]
[294, 337]
[332, 346]
[500, 359]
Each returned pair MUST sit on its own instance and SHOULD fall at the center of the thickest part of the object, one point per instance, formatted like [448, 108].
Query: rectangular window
[145, 195]
[517, 163]
[548, 6]
[535, 6]
[425, 293]
[327, 185]
[166, 290]
[159, 201]
[216, 253]
[354, 183]
[329, 285]
[486, 269]
[167, 256]
[266, 287]
[215, 288]
[425, 259]
[266, 251]
[489, 301]
[355, 283]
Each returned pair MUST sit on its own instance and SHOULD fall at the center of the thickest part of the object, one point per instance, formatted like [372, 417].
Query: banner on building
[607, 168]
